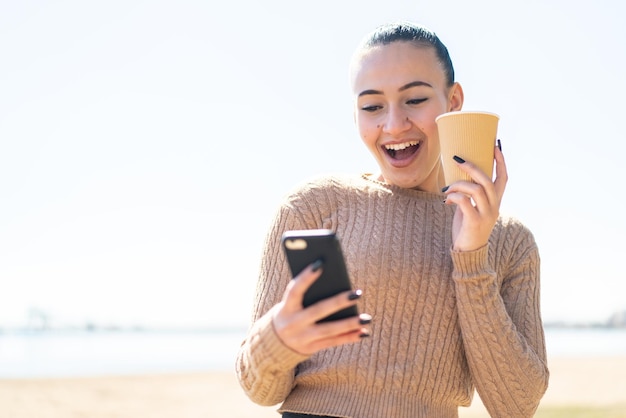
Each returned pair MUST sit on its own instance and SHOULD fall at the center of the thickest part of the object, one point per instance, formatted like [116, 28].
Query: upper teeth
[398, 147]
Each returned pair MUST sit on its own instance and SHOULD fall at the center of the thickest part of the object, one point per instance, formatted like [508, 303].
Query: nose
[397, 121]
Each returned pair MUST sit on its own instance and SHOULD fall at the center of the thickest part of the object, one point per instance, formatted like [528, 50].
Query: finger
[502, 175]
[465, 189]
[484, 195]
[294, 294]
[471, 198]
[347, 338]
[317, 345]
[333, 329]
[464, 204]
[476, 174]
[337, 332]
[328, 306]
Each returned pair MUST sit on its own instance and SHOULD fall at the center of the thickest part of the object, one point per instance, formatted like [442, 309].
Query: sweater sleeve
[501, 325]
[266, 367]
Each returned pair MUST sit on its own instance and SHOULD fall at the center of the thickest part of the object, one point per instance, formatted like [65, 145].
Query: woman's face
[399, 90]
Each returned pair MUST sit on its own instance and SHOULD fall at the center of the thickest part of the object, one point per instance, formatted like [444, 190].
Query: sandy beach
[593, 382]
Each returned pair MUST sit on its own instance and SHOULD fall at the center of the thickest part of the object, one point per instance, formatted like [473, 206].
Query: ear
[455, 98]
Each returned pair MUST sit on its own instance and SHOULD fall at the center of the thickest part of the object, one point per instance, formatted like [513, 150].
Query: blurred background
[144, 146]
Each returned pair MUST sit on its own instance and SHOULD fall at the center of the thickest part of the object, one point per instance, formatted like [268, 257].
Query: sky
[145, 145]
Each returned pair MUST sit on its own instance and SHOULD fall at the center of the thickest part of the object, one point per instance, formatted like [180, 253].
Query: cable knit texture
[444, 322]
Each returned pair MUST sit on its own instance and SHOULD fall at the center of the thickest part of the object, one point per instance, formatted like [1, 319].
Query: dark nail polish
[355, 295]
[317, 264]
[365, 319]
[364, 334]
[458, 159]
[445, 189]
[499, 145]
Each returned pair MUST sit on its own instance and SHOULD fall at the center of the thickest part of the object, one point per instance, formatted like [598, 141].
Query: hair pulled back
[418, 35]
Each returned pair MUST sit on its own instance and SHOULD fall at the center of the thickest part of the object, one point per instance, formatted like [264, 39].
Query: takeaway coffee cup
[470, 135]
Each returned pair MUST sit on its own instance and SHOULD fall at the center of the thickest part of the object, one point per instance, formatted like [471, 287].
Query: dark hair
[415, 34]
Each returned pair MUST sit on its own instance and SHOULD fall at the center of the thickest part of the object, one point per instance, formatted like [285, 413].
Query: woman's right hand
[297, 326]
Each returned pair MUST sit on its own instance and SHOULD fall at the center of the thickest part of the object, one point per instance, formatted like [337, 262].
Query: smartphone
[303, 247]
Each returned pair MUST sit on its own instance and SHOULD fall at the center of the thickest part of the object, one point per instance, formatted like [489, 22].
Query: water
[589, 342]
[118, 353]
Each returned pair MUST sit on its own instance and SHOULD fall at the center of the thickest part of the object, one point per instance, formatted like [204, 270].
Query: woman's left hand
[478, 204]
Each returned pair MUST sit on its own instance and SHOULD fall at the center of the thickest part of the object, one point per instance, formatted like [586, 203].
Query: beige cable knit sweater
[444, 322]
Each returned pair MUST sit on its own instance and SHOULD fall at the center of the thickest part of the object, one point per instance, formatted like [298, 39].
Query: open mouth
[402, 151]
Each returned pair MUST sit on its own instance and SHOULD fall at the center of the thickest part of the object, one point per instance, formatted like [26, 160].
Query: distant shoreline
[231, 329]
[75, 352]
[124, 329]
[583, 325]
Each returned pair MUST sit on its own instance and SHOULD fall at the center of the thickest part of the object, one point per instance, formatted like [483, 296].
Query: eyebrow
[405, 87]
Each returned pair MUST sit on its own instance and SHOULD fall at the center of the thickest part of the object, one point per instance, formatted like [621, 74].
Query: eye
[371, 108]
[415, 101]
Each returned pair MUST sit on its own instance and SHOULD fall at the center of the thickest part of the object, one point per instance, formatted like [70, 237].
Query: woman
[451, 289]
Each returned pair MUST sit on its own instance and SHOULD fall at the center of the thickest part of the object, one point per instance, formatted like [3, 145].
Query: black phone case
[302, 248]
